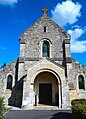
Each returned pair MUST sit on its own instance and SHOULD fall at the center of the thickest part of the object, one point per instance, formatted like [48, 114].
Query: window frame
[41, 44]
[45, 45]
[81, 84]
[9, 83]
[45, 29]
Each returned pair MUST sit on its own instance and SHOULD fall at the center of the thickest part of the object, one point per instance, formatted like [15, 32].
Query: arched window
[9, 81]
[45, 49]
[44, 28]
[81, 82]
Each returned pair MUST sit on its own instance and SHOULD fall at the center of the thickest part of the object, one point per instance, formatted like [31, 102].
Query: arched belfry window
[9, 81]
[81, 82]
[45, 49]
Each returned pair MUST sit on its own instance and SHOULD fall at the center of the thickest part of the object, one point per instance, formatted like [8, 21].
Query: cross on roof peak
[45, 10]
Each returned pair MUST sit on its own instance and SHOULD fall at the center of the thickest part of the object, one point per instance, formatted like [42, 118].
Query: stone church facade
[44, 73]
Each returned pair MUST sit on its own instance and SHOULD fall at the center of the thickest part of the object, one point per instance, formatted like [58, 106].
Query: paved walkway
[39, 114]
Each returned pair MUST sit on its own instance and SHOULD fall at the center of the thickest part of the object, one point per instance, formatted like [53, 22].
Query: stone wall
[1, 84]
[34, 36]
[76, 70]
[4, 72]
[30, 60]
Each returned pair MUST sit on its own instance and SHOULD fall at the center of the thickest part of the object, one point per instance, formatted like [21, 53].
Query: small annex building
[45, 73]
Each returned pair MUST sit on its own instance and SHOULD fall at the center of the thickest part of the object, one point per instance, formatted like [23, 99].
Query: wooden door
[45, 93]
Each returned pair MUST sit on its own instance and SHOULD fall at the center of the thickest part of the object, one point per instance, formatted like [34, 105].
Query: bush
[1, 107]
[78, 101]
[79, 108]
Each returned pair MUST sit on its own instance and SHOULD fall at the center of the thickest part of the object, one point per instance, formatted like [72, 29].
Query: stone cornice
[37, 59]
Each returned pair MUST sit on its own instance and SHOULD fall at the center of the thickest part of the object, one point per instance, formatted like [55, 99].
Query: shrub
[78, 101]
[1, 107]
[79, 108]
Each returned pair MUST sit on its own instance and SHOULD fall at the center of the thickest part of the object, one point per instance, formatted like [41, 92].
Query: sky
[18, 15]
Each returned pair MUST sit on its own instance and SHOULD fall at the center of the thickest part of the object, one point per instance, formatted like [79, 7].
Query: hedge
[1, 107]
[79, 108]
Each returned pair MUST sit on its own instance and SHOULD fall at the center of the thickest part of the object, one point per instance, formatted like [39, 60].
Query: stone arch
[56, 79]
[45, 39]
[33, 71]
[9, 74]
[81, 82]
[41, 46]
[80, 74]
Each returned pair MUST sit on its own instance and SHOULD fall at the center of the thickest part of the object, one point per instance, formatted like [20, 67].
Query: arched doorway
[46, 88]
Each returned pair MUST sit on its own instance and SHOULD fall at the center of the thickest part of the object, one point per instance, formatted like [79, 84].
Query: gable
[44, 29]
[38, 28]
[45, 65]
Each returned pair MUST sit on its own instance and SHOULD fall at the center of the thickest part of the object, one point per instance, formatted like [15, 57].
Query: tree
[3, 65]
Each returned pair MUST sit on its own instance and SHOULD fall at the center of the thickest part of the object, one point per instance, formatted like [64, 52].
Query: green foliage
[79, 108]
[78, 101]
[1, 107]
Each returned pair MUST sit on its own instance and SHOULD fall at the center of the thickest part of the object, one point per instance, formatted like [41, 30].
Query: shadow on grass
[62, 115]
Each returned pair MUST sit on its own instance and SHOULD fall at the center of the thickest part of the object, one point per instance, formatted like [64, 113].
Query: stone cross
[45, 10]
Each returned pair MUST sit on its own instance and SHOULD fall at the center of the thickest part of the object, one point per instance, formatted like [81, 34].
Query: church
[45, 73]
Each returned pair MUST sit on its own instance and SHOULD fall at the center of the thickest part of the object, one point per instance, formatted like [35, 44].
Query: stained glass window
[45, 49]
[9, 82]
[81, 82]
